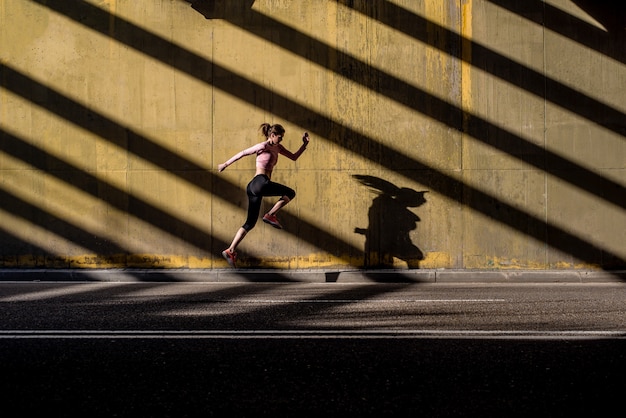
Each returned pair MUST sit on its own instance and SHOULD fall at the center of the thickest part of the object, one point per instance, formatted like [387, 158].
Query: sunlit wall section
[547, 137]
[586, 124]
[503, 147]
[464, 134]
[94, 124]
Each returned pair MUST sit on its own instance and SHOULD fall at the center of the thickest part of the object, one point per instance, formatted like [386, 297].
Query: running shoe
[272, 220]
[231, 257]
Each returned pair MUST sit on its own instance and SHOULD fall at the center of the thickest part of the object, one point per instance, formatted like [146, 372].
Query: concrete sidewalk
[314, 276]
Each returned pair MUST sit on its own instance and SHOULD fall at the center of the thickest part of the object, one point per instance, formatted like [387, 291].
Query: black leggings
[258, 187]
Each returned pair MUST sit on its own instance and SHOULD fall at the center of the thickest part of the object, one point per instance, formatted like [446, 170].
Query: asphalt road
[284, 349]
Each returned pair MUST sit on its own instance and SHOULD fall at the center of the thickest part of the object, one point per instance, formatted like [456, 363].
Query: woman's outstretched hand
[305, 138]
[221, 167]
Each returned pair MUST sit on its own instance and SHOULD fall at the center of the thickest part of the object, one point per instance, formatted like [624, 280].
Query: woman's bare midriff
[262, 171]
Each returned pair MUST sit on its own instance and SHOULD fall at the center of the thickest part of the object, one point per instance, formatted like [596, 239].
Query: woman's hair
[268, 129]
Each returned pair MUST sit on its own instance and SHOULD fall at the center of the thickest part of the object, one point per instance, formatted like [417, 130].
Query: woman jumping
[266, 158]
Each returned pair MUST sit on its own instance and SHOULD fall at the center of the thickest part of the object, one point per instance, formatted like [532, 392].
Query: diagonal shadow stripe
[58, 226]
[569, 26]
[19, 245]
[198, 67]
[61, 227]
[493, 63]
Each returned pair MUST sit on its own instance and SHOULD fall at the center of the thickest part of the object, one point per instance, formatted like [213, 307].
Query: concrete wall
[444, 134]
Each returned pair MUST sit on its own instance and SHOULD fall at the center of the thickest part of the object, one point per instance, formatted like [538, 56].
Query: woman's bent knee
[248, 226]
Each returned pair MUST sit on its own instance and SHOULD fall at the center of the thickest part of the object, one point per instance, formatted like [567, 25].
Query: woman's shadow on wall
[390, 222]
